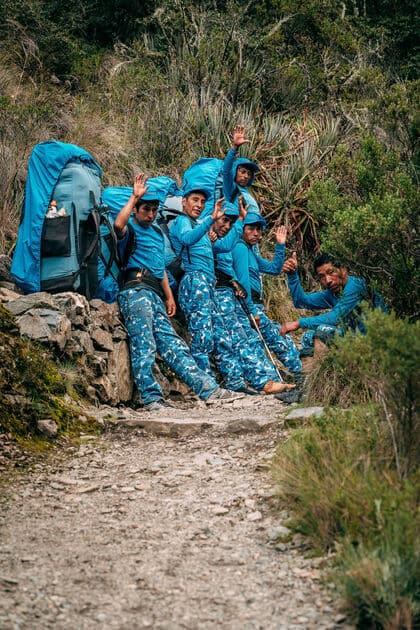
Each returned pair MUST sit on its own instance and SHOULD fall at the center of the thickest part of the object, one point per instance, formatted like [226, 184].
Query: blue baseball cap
[188, 190]
[230, 210]
[255, 218]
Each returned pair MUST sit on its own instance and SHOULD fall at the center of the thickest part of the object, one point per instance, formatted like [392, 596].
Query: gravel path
[136, 530]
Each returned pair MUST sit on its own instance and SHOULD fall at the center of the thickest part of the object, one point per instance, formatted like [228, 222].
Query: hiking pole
[247, 310]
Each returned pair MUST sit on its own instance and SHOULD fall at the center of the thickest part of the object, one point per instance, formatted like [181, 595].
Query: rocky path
[167, 525]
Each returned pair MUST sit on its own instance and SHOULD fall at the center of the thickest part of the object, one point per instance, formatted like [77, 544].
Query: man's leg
[175, 352]
[257, 369]
[307, 343]
[137, 310]
[254, 341]
[226, 356]
[194, 299]
[283, 347]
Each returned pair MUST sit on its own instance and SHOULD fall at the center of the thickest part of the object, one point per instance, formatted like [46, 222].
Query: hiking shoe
[306, 352]
[249, 391]
[275, 387]
[290, 396]
[223, 395]
[157, 405]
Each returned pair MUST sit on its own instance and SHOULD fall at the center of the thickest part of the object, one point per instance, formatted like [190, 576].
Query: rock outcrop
[88, 337]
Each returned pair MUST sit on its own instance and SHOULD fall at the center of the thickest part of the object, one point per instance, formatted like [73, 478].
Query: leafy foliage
[367, 216]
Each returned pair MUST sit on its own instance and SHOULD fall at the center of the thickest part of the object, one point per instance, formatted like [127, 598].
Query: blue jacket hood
[249, 164]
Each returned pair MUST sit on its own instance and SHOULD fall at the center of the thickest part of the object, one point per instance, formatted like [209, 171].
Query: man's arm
[121, 220]
[169, 298]
[238, 139]
[354, 292]
[274, 266]
[317, 300]
[241, 269]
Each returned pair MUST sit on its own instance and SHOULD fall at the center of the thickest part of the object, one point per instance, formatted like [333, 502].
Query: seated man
[248, 266]
[260, 373]
[142, 301]
[342, 295]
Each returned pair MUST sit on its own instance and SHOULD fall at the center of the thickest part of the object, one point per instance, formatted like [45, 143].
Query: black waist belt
[143, 278]
[223, 279]
[256, 297]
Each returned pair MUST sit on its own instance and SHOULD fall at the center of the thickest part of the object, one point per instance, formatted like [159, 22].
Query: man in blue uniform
[256, 368]
[248, 266]
[341, 294]
[238, 173]
[146, 301]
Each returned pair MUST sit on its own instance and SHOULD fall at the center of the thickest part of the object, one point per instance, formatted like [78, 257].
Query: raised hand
[281, 235]
[139, 185]
[218, 212]
[239, 136]
[243, 209]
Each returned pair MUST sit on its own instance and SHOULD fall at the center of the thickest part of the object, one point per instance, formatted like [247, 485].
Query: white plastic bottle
[52, 209]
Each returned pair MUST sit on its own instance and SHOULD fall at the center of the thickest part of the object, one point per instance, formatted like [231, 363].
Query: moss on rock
[32, 388]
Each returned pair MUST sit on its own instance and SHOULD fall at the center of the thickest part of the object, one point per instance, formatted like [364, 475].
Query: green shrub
[382, 367]
[330, 474]
[367, 213]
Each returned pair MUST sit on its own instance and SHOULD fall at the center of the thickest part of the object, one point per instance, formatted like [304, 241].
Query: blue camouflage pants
[208, 332]
[283, 347]
[149, 331]
[256, 368]
[323, 332]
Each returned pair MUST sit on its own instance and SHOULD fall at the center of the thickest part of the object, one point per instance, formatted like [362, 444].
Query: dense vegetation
[329, 93]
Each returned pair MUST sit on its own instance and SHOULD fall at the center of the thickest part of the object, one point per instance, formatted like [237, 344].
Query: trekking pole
[247, 310]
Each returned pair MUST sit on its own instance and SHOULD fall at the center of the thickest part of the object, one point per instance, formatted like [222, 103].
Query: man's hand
[170, 307]
[288, 327]
[212, 235]
[281, 235]
[139, 185]
[238, 289]
[291, 264]
[255, 321]
[243, 209]
[218, 212]
[239, 136]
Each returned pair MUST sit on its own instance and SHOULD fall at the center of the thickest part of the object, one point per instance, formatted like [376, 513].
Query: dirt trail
[134, 530]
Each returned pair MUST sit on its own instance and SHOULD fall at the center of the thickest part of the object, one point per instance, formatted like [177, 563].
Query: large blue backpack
[205, 174]
[59, 253]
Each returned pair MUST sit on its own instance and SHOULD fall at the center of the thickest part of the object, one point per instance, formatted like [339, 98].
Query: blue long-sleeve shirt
[190, 239]
[248, 266]
[231, 190]
[342, 306]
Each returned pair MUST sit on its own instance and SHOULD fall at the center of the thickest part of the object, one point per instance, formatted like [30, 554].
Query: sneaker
[157, 405]
[275, 387]
[291, 396]
[306, 352]
[223, 395]
[249, 391]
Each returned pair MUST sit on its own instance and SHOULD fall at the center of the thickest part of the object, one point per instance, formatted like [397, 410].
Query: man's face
[146, 213]
[243, 176]
[252, 233]
[223, 225]
[193, 205]
[331, 277]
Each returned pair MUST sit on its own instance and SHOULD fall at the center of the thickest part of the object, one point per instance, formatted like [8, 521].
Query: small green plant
[380, 579]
